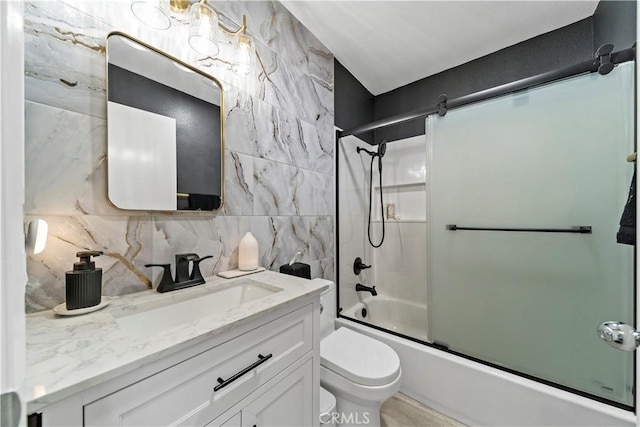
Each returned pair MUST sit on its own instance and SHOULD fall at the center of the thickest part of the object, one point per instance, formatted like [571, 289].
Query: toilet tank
[328, 310]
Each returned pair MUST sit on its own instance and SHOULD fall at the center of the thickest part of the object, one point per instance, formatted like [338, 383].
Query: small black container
[84, 283]
[298, 269]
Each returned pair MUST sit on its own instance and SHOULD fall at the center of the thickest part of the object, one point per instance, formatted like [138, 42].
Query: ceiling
[387, 44]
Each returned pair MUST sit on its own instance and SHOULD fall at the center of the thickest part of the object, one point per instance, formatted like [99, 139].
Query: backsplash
[279, 148]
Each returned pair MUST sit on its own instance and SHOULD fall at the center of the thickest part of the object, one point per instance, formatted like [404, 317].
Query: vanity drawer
[184, 393]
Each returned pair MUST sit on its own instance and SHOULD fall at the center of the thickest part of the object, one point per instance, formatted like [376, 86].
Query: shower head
[382, 148]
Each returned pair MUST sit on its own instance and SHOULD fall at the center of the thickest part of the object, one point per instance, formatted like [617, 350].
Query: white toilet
[359, 371]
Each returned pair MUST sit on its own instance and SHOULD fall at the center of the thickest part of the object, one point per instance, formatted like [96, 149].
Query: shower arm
[371, 153]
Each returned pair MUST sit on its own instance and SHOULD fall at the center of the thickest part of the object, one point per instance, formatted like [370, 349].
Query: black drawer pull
[223, 383]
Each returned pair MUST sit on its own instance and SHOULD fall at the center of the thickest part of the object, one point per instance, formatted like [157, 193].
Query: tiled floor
[402, 411]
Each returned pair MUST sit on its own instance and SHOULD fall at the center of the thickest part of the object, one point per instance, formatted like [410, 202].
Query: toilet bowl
[361, 372]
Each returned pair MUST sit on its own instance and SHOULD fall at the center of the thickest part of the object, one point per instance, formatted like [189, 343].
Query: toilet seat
[359, 358]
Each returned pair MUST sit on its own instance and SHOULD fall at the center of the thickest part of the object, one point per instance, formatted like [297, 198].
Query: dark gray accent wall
[556, 49]
[353, 103]
[615, 22]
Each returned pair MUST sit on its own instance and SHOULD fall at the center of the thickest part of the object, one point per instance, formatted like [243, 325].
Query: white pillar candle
[248, 253]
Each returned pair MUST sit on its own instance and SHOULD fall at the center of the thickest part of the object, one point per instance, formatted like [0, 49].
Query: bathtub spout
[364, 288]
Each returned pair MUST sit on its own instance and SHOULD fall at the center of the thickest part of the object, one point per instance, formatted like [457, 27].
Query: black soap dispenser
[84, 283]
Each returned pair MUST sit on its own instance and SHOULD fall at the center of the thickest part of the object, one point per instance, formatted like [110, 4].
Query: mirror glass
[165, 130]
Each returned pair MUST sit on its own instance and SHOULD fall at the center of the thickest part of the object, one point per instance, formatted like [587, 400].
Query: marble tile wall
[279, 153]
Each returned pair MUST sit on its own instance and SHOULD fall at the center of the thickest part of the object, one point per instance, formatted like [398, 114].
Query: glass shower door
[547, 158]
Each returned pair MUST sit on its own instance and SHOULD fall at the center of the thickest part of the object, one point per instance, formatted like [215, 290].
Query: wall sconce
[36, 238]
[204, 29]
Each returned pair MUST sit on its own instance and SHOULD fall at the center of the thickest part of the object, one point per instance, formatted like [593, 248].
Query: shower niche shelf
[420, 185]
[409, 198]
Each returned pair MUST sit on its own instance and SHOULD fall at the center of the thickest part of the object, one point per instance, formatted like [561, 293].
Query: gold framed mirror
[165, 127]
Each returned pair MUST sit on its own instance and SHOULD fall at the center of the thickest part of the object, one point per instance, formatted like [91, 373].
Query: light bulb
[244, 61]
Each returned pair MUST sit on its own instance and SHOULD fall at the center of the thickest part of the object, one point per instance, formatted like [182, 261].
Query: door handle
[619, 335]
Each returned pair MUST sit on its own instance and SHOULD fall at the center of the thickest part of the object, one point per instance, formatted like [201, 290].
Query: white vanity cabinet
[266, 374]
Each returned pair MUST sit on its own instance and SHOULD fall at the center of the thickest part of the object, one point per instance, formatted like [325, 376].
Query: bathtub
[404, 317]
[473, 393]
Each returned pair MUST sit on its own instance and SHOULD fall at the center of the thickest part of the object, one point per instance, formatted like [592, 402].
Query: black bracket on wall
[442, 105]
[603, 54]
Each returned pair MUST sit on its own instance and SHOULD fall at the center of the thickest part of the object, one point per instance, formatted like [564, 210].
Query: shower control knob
[358, 266]
[619, 335]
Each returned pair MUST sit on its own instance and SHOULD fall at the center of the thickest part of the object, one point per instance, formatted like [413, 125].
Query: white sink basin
[151, 318]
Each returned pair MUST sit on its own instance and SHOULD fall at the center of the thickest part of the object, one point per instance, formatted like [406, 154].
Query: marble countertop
[67, 355]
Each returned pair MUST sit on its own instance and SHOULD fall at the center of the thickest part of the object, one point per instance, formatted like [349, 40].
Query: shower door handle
[619, 335]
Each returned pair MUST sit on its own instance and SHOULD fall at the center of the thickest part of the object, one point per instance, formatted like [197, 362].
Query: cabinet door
[288, 403]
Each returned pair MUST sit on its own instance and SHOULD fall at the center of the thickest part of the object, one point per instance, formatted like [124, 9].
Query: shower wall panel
[398, 269]
[353, 174]
[399, 265]
[550, 157]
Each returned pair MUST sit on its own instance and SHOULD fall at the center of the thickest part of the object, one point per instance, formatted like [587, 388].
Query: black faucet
[184, 279]
[182, 266]
[166, 284]
[364, 288]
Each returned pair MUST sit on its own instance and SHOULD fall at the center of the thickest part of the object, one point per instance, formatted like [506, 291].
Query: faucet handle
[358, 266]
[196, 273]
[182, 266]
[166, 284]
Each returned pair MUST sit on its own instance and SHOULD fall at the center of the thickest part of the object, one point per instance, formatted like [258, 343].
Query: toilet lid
[327, 402]
[359, 358]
